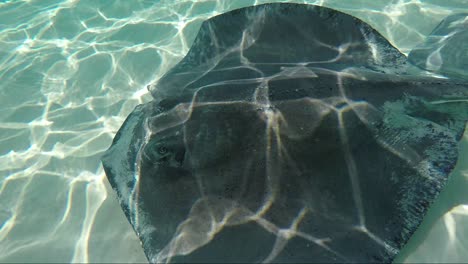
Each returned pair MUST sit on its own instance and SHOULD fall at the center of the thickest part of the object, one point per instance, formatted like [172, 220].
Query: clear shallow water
[71, 72]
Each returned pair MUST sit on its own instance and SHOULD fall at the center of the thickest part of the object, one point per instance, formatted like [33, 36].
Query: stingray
[288, 133]
[445, 50]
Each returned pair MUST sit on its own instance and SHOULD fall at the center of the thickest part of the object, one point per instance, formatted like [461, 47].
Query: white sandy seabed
[71, 72]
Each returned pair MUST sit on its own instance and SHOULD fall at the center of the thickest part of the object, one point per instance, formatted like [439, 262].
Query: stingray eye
[156, 153]
[162, 150]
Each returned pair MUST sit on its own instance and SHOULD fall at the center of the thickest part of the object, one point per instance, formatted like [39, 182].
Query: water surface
[71, 72]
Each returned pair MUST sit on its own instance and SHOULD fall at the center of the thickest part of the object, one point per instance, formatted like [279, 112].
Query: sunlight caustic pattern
[71, 71]
[192, 233]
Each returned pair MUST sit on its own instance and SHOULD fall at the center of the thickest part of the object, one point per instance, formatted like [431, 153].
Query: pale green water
[71, 72]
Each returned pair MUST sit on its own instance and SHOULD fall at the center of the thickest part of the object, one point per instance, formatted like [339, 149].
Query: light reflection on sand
[71, 71]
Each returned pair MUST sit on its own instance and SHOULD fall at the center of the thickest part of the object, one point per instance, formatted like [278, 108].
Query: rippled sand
[71, 72]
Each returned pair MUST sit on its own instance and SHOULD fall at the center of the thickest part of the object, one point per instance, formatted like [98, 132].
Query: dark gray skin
[445, 50]
[289, 133]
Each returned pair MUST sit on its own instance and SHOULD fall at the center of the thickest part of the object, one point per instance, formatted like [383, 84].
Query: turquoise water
[71, 72]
